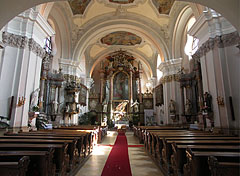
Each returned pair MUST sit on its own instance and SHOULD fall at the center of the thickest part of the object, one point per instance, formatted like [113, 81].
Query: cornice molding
[170, 78]
[222, 41]
[22, 42]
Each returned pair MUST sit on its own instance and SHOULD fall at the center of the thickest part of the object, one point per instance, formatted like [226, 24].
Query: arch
[179, 31]
[60, 19]
[45, 9]
[132, 23]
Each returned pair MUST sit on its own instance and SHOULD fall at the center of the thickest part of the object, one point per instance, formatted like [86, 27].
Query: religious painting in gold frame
[121, 86]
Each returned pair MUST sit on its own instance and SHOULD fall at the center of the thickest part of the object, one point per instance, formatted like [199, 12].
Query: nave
[141, 164]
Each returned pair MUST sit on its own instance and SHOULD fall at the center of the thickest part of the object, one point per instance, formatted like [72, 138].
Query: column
[139, 83]
[101, 86]
[131, 88]
[45, 68]
[58, 99]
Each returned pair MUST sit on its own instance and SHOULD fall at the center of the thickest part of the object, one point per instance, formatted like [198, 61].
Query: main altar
[120, 88]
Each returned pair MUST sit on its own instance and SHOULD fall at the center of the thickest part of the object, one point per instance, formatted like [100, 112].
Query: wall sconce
[220, 101]
[21, 101]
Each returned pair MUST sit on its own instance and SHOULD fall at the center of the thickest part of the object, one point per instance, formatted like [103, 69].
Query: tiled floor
[141, 163]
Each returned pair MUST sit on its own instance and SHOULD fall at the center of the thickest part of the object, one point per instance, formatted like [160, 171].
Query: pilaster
[171, 86]
[218, 56]
[23, 38]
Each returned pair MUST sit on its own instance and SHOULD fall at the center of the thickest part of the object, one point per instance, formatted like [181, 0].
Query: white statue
[121, 106]
[172, 107]
[34, 99]
[105, 106]
[188, 107]
[135, 106]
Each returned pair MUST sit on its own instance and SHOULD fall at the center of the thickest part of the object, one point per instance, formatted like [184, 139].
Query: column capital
[171, 66]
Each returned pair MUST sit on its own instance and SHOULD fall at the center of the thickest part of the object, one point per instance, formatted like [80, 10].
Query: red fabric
[118, 161]
[113, 145]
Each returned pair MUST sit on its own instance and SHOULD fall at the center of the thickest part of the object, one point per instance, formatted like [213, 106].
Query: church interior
[120, 87]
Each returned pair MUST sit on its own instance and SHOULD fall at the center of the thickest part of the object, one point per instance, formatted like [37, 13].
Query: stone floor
[141, 163]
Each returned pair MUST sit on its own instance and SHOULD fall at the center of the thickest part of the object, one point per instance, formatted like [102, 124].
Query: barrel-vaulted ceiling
[79, 6]
[141, 27]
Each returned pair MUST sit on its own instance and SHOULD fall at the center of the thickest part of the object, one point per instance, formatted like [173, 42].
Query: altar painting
[120, 86]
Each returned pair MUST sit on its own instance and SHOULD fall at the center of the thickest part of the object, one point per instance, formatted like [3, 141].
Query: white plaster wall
[9, 65]
[232, 63]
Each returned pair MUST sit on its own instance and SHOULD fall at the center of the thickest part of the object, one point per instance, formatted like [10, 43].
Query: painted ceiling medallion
[122, 1]
[78, 6]
[121, 38]
[163, 6]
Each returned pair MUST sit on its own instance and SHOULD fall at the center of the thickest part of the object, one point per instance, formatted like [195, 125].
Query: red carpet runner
[118, 162]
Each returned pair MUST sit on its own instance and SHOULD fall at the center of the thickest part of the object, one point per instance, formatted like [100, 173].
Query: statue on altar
[188, 107]
[172, 107]
[34, 99]
[105, 106]
[121, 106]
[135, 106]
[207, 100]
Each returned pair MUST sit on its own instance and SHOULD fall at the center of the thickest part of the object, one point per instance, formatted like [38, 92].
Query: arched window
[192, 43]
[159, 73]
[48, 45]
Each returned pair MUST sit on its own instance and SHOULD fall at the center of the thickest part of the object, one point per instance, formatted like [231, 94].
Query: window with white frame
[159, 73]
[192, 43]
[48, 45]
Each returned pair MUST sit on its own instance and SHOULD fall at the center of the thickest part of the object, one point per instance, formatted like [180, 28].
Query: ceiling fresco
[78, 6]
[122, 1]
[121, 38]
[163, 6]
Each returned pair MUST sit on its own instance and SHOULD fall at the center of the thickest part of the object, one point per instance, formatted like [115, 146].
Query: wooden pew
[223, 168]
[18, 168]
[72, 147]
[41, 162]
[167, 149]
[159, 137]
[61, 158]
[157, 144]
[197, 164]
[143, 129]
[82, 139]
[140, 130]
[92, 135]
[88, 136]
[178, 159]
[95, 130]
[152, 141]
[151, 137]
